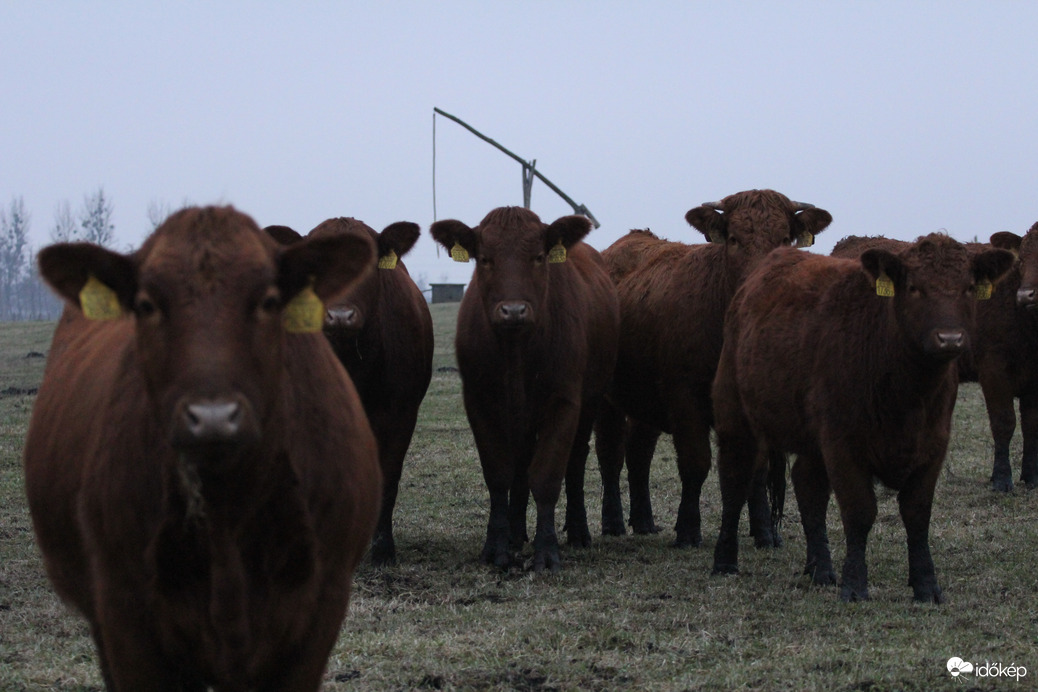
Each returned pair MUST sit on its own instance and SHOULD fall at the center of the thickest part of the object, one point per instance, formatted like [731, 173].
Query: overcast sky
[900, 118]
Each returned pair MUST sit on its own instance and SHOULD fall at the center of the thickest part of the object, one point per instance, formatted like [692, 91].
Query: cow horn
[713, 205]
[801, 206]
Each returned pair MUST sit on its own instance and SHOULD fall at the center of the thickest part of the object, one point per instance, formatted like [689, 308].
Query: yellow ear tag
[805, 239]
[983, 290]
[304, 314]
[388, 261]
[98, 301]
[557, 255]
[884, 286]
[459, 254]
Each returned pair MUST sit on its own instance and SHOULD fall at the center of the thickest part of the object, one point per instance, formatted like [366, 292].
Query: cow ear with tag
[460, 241]
[885, 269]
[988, 268]
[395, 241]
[102, 283]
[563, 234]
[321, 269]
[709, 220]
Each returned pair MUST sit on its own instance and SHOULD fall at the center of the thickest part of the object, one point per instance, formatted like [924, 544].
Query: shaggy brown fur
[859, 386]
[536, 346]
[202, 484]
[382, 332]
[673, 299]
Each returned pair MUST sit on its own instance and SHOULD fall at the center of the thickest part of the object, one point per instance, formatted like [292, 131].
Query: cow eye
[271, 301]
[539, 259]
[485, 261]
[787, 242]
[144, 307]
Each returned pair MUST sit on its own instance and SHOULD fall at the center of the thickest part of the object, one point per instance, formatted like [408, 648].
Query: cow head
[211, 298]
[347, 316]
[751, 224]
[1026, 249]
[514, 253]
[934, 284]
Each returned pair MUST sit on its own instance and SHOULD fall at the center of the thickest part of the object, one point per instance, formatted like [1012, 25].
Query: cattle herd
[225, 413]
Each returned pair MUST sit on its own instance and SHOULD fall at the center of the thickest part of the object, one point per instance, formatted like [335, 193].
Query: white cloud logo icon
[957, 666]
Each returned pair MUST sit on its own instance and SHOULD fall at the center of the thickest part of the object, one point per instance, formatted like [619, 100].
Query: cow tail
[777, 487]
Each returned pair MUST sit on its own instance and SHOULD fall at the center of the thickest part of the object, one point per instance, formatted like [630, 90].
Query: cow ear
[329, 264]
[460, 240]
[67, 267]
[808, 223]
[283, 234]
[398, 237]
[567, 230]
[1007, 241]
[710, 221]
[885, 269]
[991, 265]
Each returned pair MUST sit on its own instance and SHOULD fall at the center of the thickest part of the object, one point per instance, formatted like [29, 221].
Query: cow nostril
[213, 421]
[1025, 296]
[950, 340]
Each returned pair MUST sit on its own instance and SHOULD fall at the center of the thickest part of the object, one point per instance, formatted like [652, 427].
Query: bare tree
[14, 253]
[65, 228]
[158, 212]
[96, 219]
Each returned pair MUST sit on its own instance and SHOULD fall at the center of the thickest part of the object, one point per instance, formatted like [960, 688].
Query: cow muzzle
[949, 343]
[1026, 298]
[225, 422]
[347, 317]
[512, 314]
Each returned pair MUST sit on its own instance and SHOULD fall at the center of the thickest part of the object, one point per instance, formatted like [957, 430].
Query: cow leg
[915, 501]
[769, 478]
[518, 501]
[1029, 428]
[856, 498]
[610, 428]
[576, 528]
[692, 444]
[130, 659]
[392, 448]
[641, 445]
[811, 486]
[999, 400]
[547, 470]
[737, 456]
[499, 462]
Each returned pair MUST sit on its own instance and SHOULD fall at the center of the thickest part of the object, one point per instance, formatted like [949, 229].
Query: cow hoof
[724, 568]
[612, 527]
[1030, 483]
[579, 539]
[1002, 485]
[382, 559]
[687, 542]
[644, 528]
[851, 595]
[929, 594]
[547, 560]
[821, 576]
[768, 540]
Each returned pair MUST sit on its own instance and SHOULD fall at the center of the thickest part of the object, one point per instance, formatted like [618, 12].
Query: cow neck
[909, 370]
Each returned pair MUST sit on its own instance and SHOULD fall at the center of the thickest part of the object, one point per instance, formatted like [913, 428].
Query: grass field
[628, 613]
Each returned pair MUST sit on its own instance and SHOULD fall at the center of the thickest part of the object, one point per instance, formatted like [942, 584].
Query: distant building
[447, 293]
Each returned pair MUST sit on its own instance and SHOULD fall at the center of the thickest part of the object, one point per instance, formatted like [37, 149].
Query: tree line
[23, 295]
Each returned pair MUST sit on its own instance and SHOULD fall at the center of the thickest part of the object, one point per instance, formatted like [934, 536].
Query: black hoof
[724, 568]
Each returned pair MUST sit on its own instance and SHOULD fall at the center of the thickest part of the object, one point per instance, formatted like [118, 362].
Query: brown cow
[202, 484]
[536, 346]
[860, 386]
[382, 332]
[1002, 353]
[673, 299]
